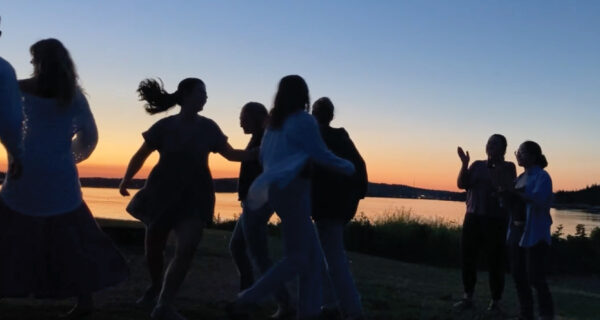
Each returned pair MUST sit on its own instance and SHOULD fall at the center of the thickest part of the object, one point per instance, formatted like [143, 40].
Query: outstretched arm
[231, 154]
[135, 164]
[305, 133]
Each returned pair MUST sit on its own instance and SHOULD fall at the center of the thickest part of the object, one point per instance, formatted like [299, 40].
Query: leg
[331, 234]
[237, 247]
[536, 260]
[469, 252]
[496, 233]
[254, 224]
[188, 234]
[155, 242]
[519, 273]
[300, 242]
[310, 284]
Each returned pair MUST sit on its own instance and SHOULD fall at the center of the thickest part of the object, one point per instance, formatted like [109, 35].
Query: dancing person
[179, 194]
[529, 231]
[335, 198]
[50, 245]
[11, 117]
[249, 240]
[291, 142]
[486, 219]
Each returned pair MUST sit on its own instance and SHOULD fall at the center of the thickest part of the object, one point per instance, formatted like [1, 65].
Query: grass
[390, 289]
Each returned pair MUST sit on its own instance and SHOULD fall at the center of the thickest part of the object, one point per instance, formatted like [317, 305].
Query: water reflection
[107, 203]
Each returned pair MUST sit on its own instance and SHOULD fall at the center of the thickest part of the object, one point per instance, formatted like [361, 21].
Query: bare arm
[463, 175]
[135, 164]
[231, 154]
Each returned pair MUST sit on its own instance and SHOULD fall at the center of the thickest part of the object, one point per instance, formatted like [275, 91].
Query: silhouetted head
[253, 117]
[292, 95]
[530, 154]
[496, 147]
[54, 73]
[322, 110]
[0, 30]
[190, 95]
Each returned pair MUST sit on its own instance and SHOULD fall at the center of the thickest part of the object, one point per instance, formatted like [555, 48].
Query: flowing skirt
[58, 256]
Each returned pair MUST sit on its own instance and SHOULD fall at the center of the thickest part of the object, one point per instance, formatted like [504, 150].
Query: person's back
[282, 148]
[336, 195]
[51, 176]
[43, 218]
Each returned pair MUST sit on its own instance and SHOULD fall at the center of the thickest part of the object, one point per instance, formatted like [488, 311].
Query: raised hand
[464, 157]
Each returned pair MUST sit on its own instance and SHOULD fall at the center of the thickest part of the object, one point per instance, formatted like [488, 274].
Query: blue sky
[411, 80]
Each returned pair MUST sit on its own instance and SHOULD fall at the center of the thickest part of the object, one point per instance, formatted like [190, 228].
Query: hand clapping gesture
[464, 157]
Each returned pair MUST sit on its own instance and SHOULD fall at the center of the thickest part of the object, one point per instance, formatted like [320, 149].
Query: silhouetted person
[249, 240]
[291, 141]
[529, 231]
[335, 199]
[179, 194]
[50, 245]
[11, 117]
[486, 220]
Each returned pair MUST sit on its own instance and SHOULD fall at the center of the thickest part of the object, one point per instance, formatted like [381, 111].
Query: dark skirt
[165, 207]
[58, 256]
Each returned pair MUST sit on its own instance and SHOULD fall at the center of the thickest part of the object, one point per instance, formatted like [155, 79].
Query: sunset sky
[411, 80]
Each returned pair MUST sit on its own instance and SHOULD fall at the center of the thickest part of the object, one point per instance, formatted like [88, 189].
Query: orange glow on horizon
[433, 173]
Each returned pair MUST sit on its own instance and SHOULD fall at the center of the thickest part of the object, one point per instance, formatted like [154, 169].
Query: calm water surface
[108, 203]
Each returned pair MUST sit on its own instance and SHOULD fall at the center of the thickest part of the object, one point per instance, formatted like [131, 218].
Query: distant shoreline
[380, 190]
[374, 190]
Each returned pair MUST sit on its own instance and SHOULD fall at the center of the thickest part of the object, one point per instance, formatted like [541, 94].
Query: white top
[55, 138]
[285, 152]
[538, 187]
[11, 110]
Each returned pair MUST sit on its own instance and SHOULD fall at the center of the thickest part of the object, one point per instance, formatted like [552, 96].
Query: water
[108, 203]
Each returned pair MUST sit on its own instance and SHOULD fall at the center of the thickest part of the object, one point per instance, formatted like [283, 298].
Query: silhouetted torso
[250, 169]
[336, 196]
[51, 177]
[181, 183]
[483, 181]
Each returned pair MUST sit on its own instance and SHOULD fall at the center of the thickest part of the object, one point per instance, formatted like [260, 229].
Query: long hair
[535, 151]
[292, 95]
[158, 99]
[323, 110]
[54, 72]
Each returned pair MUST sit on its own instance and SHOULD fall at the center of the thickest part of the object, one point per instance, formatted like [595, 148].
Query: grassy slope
[390, 290]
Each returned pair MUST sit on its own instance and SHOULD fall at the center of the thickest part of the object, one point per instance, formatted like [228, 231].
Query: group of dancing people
[507, 217]
[295, 165]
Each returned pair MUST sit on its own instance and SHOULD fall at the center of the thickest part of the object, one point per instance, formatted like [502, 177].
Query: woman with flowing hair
[178, 195]
[50, 245]
[291, 142]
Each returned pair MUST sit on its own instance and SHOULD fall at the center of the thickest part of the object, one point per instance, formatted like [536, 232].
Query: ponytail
[536, 151]
[541, 161]
[157, 99]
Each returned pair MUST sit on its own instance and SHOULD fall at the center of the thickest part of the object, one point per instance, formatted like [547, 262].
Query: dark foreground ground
[390, 289]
